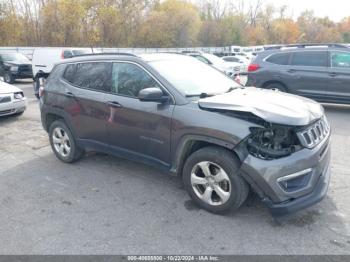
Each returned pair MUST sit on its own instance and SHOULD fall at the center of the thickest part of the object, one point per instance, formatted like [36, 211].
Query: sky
[334, 9]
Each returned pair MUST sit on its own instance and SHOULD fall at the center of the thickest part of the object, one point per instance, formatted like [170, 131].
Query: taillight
[253, 67]
[41, 91]
[62, 55]
[42, 82]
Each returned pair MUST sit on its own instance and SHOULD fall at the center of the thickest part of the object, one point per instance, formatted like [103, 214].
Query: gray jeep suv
[187, 118]
[318, 72]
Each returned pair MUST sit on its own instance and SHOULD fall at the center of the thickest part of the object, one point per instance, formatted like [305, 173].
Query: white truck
[44, 59]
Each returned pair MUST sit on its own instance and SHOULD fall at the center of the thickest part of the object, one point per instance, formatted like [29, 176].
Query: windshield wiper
[201, 95]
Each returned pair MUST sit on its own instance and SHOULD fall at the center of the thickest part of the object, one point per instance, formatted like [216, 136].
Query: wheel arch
[192, 143]
[267, 83]
[55, 114]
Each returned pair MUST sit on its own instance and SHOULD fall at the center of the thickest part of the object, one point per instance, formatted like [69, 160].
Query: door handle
[291, 71]
[114, 104]
[333, 74]
[70, 94]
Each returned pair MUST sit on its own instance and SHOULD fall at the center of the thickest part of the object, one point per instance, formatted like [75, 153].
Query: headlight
[272, 142]
[18, 95]
[14, 68]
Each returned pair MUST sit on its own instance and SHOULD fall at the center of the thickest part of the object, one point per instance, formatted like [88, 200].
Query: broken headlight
[272, 142]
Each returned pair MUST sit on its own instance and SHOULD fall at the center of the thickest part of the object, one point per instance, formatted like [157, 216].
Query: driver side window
[128, 79]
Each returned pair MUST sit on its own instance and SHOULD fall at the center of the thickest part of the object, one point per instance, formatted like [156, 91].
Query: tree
[173, 23]
[285, 31]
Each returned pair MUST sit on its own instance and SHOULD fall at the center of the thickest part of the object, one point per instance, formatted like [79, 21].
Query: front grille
[25, 69]
[314, 134]
[5, 99]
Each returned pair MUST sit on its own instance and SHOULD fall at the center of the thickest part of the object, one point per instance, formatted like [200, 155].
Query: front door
[141, 129]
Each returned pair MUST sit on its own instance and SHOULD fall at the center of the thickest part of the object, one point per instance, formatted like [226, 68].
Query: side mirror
[152, 94]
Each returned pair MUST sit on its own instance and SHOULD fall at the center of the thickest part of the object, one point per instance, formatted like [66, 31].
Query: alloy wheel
[211, 183]
[61, 142]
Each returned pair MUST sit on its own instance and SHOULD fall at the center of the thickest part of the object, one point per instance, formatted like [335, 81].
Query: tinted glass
[81, 52]
[94, 76]
[67, 54]
[310, 58]
[340, 59]
[69, 73]
[128, 79]
[279, 59]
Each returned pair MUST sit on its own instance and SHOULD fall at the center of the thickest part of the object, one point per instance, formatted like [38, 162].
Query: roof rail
[334, 45]
[110, 53]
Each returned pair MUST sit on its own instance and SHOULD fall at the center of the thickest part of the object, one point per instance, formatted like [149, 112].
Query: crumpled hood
[6, 88]
[272, 106]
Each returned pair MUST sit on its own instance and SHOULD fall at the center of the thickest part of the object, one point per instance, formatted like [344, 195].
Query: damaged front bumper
[307, 169]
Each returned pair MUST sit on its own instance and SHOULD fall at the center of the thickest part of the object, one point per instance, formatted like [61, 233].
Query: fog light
[295, 181]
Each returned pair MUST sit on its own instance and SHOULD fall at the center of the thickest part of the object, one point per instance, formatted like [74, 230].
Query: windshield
[14, 57]
[192, 77]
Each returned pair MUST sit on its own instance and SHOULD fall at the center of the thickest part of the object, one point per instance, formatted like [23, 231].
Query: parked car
[320, 73]
[45, 58]
[240, 64]
[14, 66]
[222, 139]
[216, 62]
[12, 100]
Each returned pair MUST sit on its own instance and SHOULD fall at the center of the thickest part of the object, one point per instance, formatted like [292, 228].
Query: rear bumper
[300, 203]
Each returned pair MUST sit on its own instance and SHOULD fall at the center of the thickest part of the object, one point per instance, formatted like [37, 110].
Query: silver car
[12, 100]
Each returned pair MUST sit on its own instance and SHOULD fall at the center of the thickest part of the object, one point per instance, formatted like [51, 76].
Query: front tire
[212, 180]
[8, 78]
[63, 143]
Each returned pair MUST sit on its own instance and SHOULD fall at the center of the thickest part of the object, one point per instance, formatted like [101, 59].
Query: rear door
[307, 73]
[85, 87]
[137, 128]
[339, 77]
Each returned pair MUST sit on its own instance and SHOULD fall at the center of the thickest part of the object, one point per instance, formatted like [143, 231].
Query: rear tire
[276, 86]
[222, 176]
[63, 143]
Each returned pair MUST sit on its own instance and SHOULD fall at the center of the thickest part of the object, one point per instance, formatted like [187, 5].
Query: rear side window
[310, 58]
[340, 59]
[69, 73]
[279, 59]
[95, 76]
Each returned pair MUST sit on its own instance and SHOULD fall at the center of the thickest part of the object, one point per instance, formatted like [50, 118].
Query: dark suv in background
[196, 122]
[15, 66]
[318, 72]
